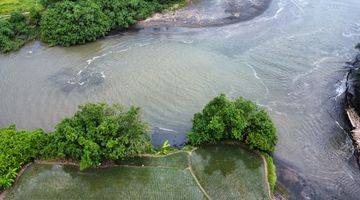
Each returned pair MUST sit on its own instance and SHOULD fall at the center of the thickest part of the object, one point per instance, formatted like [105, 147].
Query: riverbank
[352, 102]
[209, 13]
[195, 168]
[56, 24]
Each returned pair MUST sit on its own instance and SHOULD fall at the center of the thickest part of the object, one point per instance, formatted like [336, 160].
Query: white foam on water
[166, 129]
[341, 88]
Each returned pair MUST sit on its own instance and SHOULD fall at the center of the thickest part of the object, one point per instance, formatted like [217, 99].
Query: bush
[100, 132]
[68, 23]
[35, 16]
[240, 120]
[124, 13]
[14, 32]
[18, 148]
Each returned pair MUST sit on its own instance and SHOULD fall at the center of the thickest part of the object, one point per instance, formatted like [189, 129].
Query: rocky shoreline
[352, 102]
[205, 13]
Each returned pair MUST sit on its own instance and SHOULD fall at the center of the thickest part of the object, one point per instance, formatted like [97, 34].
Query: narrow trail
[266, 176]
[193, 175]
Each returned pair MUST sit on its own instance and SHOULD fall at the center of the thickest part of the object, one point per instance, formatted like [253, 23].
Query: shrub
[240, 120]
[98, 131]
[7, 36]
[271, 171]
[14, 32]
[35, 16]
[68, 23]
[357, 46]
[18, 148]
[123, 13]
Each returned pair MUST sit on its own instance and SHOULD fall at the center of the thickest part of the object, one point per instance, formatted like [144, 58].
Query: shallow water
[224, 172]
[289, 59]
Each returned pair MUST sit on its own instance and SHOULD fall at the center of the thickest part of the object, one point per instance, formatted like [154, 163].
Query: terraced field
[216, 172]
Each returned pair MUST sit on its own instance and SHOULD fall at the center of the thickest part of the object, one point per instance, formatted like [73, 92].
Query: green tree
[98, 131]
[68, 23]
[261, 132]
[238, 119]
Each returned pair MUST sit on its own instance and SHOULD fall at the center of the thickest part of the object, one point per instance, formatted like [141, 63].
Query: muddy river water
[289, 59]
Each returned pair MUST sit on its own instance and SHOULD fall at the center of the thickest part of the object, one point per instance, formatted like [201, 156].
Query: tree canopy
[98, 131]
[68, 23]
[238, 119]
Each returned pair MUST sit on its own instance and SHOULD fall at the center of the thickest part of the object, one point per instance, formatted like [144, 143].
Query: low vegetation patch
[9, 6]
[271, 169]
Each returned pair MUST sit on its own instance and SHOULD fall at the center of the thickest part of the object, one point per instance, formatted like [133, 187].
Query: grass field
[224, 172]
[8, 6]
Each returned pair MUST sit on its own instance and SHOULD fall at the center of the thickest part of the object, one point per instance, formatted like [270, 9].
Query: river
[289, 59]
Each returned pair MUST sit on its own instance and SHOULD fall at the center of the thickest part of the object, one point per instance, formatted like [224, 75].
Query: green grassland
[8, 6]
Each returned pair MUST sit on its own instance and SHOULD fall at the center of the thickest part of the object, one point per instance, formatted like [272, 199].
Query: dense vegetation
[95, 133]
[17, 30]
[69, 23]
[66, 22]
[18, 148]
[238, 119]
[98, 131]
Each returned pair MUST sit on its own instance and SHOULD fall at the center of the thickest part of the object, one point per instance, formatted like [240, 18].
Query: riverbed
[289, 60]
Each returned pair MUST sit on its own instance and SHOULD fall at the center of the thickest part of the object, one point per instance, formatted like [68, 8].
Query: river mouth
[208, 13]
[289, 60]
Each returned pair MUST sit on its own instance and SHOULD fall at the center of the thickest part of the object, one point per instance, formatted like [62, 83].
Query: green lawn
[224, 172]
[8, 6]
